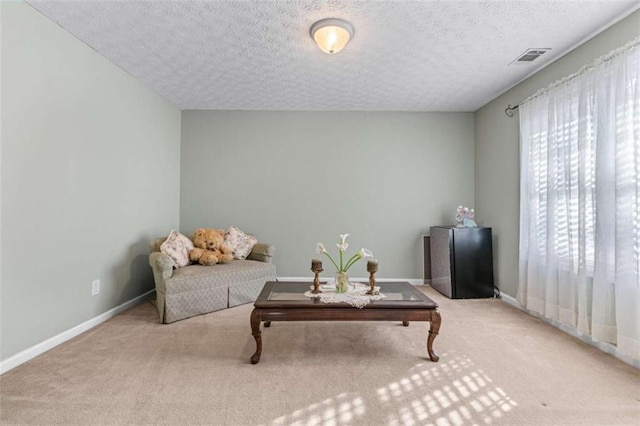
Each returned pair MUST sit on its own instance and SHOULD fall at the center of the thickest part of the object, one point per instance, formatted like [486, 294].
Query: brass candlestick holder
[372, 268]
[316, 268]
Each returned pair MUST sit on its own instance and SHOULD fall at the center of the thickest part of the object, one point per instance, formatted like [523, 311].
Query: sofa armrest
[262, 252]
[154, 245]
[161, 264]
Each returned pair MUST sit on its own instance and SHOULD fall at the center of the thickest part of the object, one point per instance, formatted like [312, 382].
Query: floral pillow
[177, 247]
[239, 242]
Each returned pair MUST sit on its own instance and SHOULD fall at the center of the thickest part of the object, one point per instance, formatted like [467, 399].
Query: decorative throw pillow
[239, 242]
[177, 247]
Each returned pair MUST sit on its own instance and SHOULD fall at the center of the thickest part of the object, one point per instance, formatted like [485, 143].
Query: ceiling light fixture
[331, 34]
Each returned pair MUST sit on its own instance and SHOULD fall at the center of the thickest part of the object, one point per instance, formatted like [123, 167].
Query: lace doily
[356, 295]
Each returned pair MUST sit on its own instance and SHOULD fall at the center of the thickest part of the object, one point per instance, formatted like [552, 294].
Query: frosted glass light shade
[331, 34]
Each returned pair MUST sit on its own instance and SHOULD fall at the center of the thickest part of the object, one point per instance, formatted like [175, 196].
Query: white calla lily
[366, 253]
[342, 266]
[343, 246]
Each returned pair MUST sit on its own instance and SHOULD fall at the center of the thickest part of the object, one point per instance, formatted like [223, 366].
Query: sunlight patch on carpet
[448, 394]
[341, 410]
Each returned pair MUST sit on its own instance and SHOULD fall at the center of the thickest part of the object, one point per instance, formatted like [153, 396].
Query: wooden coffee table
[285, 301]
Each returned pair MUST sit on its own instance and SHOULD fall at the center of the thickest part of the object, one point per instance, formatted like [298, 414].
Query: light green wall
[89, 172]
[295, 178]
[497, 148]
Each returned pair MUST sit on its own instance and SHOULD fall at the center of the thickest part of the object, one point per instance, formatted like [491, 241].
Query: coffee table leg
[267, 323]
[433, 332]
[405, 323]
[255, 330]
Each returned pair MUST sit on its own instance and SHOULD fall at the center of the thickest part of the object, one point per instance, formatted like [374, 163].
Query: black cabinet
[426, 251]
[462, 262]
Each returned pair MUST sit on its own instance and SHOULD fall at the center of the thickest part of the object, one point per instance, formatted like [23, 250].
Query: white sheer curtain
[580, 201]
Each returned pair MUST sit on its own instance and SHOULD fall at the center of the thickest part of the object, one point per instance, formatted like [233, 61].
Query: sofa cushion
[240, 242]
[177, 247]
[195, 277]
[262, 252]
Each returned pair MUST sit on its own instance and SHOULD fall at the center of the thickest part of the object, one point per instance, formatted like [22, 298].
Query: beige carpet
[497, 366]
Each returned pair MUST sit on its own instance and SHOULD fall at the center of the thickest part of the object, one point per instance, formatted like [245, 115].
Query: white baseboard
[511, 300]
[413, 281]
[605, 347]
[42, 347]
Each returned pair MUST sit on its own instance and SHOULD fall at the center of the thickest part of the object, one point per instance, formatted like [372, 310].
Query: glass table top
[293, 292]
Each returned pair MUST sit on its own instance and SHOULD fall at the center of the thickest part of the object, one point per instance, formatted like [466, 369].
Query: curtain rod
[509, 110]
[626, 47]
[586, 68]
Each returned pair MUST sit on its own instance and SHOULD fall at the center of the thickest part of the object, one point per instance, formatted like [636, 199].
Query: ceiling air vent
[530, 55]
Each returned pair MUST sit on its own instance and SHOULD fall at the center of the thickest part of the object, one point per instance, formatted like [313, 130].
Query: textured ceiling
[258, 55]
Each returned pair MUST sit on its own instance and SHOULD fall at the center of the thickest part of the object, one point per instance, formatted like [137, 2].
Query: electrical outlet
[95, 287]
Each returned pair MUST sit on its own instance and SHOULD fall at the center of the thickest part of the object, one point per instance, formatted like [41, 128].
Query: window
[580, 201]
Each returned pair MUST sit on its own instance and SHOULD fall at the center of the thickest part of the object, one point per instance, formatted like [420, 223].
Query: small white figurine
[464, 218]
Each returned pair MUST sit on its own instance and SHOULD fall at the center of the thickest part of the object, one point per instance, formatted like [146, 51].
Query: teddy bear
[209, 248]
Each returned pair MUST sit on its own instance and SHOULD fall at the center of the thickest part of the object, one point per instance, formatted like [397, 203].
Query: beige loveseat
[196, 289]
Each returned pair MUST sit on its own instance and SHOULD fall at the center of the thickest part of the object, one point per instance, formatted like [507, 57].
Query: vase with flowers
[342, 279]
